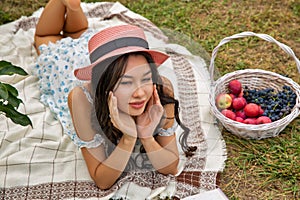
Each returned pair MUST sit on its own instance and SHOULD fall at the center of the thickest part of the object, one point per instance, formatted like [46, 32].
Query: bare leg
[76, 22]
[72, 4]
[60, 18]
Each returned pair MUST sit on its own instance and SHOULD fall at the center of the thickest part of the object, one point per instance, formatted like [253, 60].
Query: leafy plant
[9, 101]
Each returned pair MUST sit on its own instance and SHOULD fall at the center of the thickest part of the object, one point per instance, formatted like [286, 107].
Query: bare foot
[72, 4]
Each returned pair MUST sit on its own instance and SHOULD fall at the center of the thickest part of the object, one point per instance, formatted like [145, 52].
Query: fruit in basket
[260, 111]
[263, 120]
[223, 101]
[241, 114]
[239, 119]
[276, 104]
[239, 103]
[250, 121]
[228, 113]
[252, 110]
[232, 96]
[241, 93]
[235, 87]
[256, 106]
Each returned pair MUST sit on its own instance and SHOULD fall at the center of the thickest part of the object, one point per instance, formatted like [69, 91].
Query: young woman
[121, 114]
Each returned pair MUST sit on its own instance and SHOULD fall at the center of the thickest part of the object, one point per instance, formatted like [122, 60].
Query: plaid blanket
[43, 163]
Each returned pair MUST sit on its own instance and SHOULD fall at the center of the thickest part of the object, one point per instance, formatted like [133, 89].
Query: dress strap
[87, 94]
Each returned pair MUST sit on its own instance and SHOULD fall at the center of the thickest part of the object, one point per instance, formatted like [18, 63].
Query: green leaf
[15, 116]
[12, 90]
[6, 68]
[3, 91]
[14, 101]
[9, 93]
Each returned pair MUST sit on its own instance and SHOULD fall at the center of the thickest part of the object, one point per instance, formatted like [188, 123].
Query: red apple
[241, 93]
[241, 114]
[239, 119]
[260, 111]
[229, 113]
[251, 110]
[223, 101]
[263, 120]
[232, 96]
[244, 101]
[250, 121]
[235, 87]
[239, 103]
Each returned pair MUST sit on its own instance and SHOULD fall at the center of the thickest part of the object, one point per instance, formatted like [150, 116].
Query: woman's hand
[148, 121]
[124, 122]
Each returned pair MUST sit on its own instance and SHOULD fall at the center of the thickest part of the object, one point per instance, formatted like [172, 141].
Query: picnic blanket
[41, 162]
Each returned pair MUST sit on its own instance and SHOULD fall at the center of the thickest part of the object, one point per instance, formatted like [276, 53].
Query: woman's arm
[163, 152]
[103, 170]
[106, 173]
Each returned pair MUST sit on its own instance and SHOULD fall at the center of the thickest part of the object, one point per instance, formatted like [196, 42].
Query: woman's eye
[146, 79]
[125, 82]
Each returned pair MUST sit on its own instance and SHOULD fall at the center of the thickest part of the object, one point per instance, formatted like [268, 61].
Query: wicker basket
[254, 79]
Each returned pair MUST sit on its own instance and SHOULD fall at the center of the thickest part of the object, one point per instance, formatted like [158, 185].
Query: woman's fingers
[110, 103]
[113, 109]
[121, 120]
[156, 97]
[110, 100]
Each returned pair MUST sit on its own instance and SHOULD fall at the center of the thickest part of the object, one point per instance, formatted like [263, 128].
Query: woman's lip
[137, 105]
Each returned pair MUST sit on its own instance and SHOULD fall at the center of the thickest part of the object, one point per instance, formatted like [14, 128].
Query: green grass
[270, 166]
[255, 169]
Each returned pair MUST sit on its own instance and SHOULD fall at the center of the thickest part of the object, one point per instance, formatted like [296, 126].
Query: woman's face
[135, 87]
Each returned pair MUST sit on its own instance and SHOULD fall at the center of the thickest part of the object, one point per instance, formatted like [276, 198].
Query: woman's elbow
[171, 169]
[174, 172]
[102, 185]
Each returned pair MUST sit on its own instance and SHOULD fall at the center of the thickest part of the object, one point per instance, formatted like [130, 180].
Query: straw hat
[113, 42]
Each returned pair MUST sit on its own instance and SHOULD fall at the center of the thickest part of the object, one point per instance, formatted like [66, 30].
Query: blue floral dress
[54, 68]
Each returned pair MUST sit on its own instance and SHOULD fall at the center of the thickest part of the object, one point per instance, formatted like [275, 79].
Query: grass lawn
[255, 169]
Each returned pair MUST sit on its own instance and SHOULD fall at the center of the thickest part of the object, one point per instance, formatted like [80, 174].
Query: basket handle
[266, 37]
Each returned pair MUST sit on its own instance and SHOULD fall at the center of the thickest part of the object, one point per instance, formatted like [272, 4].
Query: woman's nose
[139, 91]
